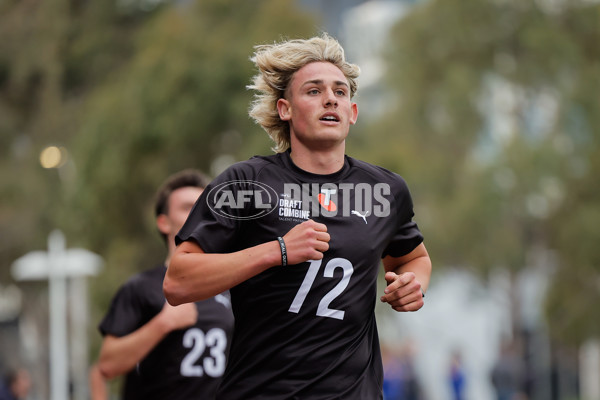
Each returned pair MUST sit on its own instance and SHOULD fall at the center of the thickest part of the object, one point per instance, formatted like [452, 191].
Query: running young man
[298, 238]
[166, 352]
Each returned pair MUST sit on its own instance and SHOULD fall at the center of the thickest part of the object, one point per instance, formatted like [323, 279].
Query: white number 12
[323, 310]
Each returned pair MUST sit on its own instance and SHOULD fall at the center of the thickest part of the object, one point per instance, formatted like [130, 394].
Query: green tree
[495, 126]
[134, 91]
[179, 102]
[52, 52]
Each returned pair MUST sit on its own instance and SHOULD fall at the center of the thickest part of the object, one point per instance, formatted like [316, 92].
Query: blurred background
[490, 109]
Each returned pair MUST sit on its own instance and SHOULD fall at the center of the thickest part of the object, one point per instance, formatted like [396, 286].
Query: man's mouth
[330, 118]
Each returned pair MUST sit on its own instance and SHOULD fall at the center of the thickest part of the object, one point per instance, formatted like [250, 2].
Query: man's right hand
[181, 316]
[306, 241]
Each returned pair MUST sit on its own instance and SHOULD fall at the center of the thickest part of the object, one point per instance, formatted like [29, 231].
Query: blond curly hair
[276, 64]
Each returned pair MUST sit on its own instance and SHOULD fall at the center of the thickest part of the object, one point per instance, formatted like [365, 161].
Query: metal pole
[79, 343]
[59, 377]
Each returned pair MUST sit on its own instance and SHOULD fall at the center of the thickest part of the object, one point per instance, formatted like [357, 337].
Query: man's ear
[284, 109]
[354, 116]
[163, 224]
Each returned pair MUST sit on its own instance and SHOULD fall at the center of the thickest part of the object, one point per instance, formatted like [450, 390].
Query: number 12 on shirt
[323, 310]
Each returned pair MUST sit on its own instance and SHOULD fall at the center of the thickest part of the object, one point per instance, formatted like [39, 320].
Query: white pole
[589, 365]
[79, 343]
[57, 265]
[59, 376]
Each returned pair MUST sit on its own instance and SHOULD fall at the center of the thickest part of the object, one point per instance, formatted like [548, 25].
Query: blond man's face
[318, 105]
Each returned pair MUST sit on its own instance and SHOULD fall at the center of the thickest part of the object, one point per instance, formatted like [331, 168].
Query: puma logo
[363, 216]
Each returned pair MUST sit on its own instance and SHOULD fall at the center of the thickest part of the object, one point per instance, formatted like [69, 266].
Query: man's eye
[313, 91]
[340, 92]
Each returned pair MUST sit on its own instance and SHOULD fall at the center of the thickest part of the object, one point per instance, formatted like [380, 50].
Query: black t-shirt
[188, 363]
[305, 331]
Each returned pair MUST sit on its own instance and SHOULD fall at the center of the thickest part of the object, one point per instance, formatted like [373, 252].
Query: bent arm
[194, 275]
[120, 355]
[417, 262]
[408, 279]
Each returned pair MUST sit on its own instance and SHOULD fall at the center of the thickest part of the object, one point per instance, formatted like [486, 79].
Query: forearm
[120, 355]
[417, 262]
[98, 390]
[421, 267]
[193, 275]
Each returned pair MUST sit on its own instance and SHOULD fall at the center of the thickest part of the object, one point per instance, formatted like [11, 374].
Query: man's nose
[330, 99]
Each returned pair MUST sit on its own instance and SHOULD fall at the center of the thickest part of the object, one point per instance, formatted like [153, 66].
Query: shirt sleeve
[406, 236]
[214, 222]
[125, 313]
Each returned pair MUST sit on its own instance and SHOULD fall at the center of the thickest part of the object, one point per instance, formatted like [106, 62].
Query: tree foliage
[179, 102]
[496, 129]
[134, 91]
[495, 126]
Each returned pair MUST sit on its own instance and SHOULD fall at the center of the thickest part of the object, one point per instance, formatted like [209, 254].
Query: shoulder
[142, 289]
[252, 166]
[377, 173]
[382, 179]
[253, 169]
[145, 278]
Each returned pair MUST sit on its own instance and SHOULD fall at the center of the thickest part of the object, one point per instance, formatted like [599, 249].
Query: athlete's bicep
[180, 268]
[187, 247]
[391, 264]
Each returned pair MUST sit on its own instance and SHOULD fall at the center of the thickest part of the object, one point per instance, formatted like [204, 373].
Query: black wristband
[283, 251]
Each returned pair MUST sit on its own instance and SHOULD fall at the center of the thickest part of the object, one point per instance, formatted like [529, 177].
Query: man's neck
[322, 162]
